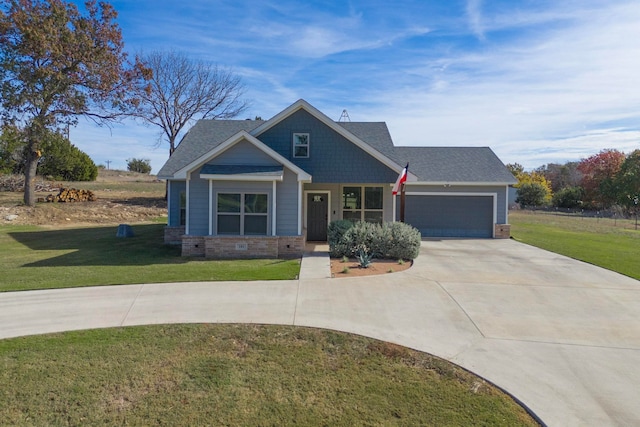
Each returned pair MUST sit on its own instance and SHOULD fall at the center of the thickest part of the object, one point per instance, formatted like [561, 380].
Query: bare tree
[182, 89]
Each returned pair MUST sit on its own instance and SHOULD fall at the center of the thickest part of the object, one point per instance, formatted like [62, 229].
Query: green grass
[237, 375]
[614, 245]
[37, 258]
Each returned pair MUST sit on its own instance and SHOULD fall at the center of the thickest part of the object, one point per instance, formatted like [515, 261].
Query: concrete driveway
[560, 335]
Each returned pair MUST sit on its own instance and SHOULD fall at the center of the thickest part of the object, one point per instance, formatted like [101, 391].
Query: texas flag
[401, 179]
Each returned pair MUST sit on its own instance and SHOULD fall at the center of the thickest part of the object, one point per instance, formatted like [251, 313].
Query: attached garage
[452, 214]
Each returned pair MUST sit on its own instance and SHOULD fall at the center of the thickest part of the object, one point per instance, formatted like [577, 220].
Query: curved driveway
[560, 335]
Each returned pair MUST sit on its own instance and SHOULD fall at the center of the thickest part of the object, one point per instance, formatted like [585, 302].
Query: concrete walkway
[560, 335]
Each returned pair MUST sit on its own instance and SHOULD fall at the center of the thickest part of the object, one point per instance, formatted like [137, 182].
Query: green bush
[335, 234]
[139, 165]
[533, 194]
[394, 240]
[403, 241]
[568, 197]
[61, 160]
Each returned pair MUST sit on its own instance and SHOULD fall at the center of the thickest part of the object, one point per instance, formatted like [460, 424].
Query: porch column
[299, 208]
[273, 209]
[186, 222]
[210, 207]
[393, 209]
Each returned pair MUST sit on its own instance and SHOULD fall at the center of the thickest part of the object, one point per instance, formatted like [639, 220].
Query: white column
[186, 223]
[169, 202]
[393, 204]
[210, 207]
[273, 209]
[299, 208]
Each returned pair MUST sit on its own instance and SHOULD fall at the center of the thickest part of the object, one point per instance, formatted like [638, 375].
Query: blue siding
[244, 153]
[173, 210]
[287, 205]
[332, 158]
[198, 205]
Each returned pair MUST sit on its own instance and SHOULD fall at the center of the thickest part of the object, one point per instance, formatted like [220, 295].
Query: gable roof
[201, 138]
[301, 104]
[230, 142]
[432, 165]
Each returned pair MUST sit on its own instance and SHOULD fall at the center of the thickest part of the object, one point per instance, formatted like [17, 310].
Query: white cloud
[474, 14]
[549, 90]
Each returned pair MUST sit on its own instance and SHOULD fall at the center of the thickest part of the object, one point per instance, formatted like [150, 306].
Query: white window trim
[214, 222]
[308, 145]
[362, 210]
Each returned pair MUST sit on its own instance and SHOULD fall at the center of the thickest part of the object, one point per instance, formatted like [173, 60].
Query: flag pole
[402, 199]
[402, 191]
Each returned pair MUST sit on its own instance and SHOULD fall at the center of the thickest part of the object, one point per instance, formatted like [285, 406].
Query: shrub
[403, 241]
[568, 197]
[335, 235]
[61, 160]
[139, 165]
[533, 194]
[364, 237]
[395, 240]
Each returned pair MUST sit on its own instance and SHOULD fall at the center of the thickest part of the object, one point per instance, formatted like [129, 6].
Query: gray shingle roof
[429, 164]
[201, 138]
[454, 164]
[242, 170]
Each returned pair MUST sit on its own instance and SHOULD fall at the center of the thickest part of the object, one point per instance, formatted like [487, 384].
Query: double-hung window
[242, 214]
[362, 204]
[301, 145]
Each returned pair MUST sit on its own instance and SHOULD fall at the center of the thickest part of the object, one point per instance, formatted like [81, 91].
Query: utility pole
[108, 162]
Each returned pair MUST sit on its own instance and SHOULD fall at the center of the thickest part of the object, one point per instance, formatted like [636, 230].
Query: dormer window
[300, 145]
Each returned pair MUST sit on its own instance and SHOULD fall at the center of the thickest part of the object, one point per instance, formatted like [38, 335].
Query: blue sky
[538, 81]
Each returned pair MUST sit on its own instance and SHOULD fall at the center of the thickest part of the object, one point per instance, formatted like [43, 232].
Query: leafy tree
[532, 194]
[182, 90]
[568, 197]
[139, 165]
[599, 172]
[627, 182]
[516, 169]
[561, 176]
[64, 161]
[11, 150]
[57, 64]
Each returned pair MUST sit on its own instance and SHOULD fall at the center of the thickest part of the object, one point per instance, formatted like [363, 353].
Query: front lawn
[240, 375]
[608, 243]
[33, 257]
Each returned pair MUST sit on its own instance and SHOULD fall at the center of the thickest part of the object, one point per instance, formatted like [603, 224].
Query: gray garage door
[450, 216]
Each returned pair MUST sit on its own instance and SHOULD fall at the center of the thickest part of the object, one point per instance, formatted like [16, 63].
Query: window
[242, 214]
[356, 198]
[183, 208]
[300, 145]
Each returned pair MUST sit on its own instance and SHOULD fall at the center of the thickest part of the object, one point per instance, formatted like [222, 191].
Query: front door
[317, 211]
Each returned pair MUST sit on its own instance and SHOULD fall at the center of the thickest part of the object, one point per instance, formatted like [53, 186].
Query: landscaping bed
[351, 267]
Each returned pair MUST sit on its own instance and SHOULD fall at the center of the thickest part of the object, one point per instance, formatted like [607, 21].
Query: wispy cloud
[537, 81]
[474, 14]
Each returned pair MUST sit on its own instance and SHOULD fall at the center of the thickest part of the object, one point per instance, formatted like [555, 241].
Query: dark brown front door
[317, 211]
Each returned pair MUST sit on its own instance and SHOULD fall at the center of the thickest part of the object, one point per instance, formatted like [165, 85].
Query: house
[254, 188]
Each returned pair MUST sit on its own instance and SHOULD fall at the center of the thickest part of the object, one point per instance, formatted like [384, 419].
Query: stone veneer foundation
[173, 235]
[502, 231]
[237, 247]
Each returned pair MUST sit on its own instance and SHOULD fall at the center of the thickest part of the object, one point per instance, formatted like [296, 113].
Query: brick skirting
[237, 247]
[502, 231]
[173, 235]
